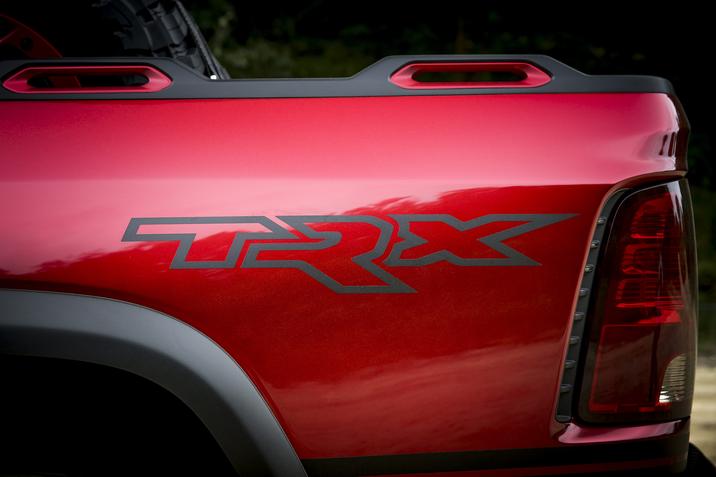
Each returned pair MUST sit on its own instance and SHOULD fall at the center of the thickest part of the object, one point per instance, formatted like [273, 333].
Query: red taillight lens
[641, 355]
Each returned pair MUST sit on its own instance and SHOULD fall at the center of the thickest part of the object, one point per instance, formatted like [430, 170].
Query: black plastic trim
[162, 349]
[372, 81]
[674, 446]
[565, 401]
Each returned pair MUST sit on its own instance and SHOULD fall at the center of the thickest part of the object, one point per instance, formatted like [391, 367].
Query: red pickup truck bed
[364, 276]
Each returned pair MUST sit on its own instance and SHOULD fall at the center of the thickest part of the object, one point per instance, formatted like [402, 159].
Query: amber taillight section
[642, 348]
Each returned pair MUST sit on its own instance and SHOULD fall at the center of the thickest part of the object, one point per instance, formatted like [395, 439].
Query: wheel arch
[161, 349]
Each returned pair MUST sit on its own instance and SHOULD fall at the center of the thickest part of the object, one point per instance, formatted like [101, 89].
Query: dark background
[323, 38]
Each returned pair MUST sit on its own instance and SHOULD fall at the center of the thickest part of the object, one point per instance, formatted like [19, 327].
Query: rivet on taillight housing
[642, 321]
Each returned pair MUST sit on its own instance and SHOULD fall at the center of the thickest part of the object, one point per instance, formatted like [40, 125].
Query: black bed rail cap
[375, 80]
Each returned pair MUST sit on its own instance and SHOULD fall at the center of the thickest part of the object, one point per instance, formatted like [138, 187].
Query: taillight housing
[640, 360]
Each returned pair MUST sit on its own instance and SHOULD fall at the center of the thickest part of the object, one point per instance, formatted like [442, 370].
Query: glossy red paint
[527, 75]
[471, 361]
[580, 434]
[67, 79]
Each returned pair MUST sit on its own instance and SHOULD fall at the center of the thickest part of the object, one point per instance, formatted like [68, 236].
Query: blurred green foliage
[322, 38]
[704, 205]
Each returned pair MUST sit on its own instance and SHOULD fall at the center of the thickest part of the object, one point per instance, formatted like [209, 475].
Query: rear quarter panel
[472, 355]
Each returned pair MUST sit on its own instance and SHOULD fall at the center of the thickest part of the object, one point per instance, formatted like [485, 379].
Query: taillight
[640, 360]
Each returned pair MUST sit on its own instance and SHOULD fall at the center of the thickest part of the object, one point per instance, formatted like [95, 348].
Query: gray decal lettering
[367, 261]
[512, 258]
